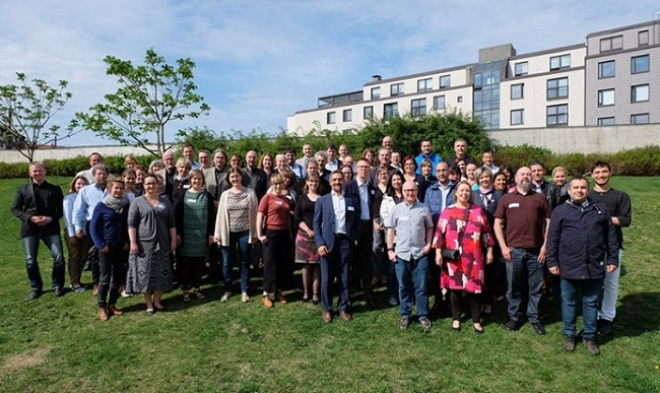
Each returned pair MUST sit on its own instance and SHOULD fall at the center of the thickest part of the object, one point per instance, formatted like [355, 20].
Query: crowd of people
[455, 230]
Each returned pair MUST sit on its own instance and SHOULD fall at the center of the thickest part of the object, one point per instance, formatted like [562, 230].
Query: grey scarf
[115, 204]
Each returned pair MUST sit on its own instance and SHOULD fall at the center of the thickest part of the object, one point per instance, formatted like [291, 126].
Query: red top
[277, 210]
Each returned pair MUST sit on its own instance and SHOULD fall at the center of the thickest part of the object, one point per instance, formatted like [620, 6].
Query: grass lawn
[57, 344]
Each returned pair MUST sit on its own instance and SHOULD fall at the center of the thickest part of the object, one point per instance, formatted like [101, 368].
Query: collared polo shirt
[410, 223]
[525, 216]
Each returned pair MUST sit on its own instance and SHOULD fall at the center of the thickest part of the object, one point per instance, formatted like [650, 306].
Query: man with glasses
[412, 225]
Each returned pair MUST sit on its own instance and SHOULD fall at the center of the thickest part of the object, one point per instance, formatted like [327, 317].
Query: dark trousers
[276, 250]
[190, 269]
[111, 274]
[363, 257]
[335, 264]
[475, 305]
[78, 249]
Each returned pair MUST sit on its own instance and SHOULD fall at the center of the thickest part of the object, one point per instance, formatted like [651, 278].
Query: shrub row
[643, 161]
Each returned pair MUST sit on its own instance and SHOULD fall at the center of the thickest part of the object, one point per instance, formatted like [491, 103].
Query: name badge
[512, 205]
[350, 208]
[373, 192]
[186, 186]
[279, 203]
[191, 200]
[406, 218]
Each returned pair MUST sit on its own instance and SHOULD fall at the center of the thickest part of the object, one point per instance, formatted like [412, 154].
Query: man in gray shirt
[411, 222]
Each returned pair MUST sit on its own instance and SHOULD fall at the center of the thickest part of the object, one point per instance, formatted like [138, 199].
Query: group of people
[420, 225]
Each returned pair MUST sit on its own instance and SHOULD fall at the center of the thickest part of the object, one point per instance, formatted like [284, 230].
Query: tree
[441, 128]
[26, 109]
[150, 96]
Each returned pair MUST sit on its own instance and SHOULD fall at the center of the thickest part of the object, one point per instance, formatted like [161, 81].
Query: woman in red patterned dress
[466, 224]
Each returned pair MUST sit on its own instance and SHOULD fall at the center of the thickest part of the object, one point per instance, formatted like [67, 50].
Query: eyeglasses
[409, 190]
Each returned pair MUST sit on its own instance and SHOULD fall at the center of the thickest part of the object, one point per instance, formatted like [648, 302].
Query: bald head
[410, 191]
[523, 176]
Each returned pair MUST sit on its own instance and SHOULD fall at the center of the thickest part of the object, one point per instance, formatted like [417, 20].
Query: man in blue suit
[336, 229]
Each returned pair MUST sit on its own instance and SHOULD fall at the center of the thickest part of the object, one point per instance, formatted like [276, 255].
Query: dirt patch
[24, 360]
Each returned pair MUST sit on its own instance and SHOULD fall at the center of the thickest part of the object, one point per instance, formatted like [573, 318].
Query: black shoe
[538, 328]
[604, 327]
[591, 346]
[569, 344]
[35, 293]
[512, 325]
[59, 291]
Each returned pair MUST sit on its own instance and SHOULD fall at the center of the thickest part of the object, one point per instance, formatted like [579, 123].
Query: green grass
[57, 344]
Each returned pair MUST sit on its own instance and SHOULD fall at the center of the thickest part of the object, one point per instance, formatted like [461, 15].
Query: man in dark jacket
[39, 205]
[581, 246]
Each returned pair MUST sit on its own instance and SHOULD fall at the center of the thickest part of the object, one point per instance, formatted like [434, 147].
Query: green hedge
[643, 161]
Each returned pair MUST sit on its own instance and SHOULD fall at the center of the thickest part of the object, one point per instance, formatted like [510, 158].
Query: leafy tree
[25, 111]
[442, 128]
[201, 138]
[150, 96]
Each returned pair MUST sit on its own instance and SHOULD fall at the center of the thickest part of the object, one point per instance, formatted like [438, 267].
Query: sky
[259, 61]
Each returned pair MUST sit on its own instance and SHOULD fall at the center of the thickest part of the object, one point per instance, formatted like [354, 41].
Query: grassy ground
[57, 344]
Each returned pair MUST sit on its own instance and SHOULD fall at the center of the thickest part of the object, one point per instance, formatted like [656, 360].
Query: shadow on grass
[636, 315]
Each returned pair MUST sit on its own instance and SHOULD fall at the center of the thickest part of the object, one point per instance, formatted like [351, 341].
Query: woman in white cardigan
[235, 226]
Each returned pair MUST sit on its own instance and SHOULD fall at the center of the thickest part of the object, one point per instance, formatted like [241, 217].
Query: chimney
[376, 78]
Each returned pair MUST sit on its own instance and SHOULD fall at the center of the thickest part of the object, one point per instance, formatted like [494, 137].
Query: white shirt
[339, 206]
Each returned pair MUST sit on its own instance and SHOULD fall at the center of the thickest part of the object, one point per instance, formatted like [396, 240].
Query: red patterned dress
[467, 273]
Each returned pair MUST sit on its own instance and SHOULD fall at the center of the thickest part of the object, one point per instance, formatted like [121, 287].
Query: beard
[525, 186]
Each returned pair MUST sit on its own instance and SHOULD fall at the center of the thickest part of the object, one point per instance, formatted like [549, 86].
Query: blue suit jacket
[324, 220]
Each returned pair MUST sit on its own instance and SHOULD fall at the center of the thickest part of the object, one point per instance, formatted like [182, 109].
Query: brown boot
[103, 314]
[113, 310]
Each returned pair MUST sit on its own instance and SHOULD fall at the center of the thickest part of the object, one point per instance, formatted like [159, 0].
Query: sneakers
[604, 327]
[77, 288]
[245, 297]
[34, 294]
[225, 296]
[59, 291]
[569, 344]
[591, 346]
[538, 328]
[405, 322]
[426, 323]
[267, 302]
[512, 325]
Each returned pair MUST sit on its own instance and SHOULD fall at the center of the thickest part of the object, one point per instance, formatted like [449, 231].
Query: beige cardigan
[222, 219]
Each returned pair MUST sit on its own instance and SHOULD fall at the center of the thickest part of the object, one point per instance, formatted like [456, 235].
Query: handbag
[454, 255]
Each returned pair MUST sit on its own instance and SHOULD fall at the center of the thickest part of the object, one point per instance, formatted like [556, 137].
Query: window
[517, 117]
[642, 118]
[331, 117]
[439, 103]
[639, 93]
[348, 115]
[459, 99]
[375, 93]
[611, 43]
[418, 107]
[643, 38]
[518, 91]
[606, 121]
[368, 112]
[424, 84]
[606, 97]
[559, 62]
[639, 64]
[557, 115]
[520, 69]
[396, 89]
[557, 88]
[606, 69]
[390, 110]
[445, 81]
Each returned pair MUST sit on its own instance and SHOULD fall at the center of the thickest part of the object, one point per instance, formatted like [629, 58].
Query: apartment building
[612, 79]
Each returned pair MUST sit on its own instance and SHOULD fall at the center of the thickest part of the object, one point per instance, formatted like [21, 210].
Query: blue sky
[260, 61]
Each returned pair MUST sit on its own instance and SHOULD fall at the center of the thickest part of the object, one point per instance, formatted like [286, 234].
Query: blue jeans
[229, 257]
[412, 282]
[524, 263]
[54, 244]
[610, 293]
[590, 290]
